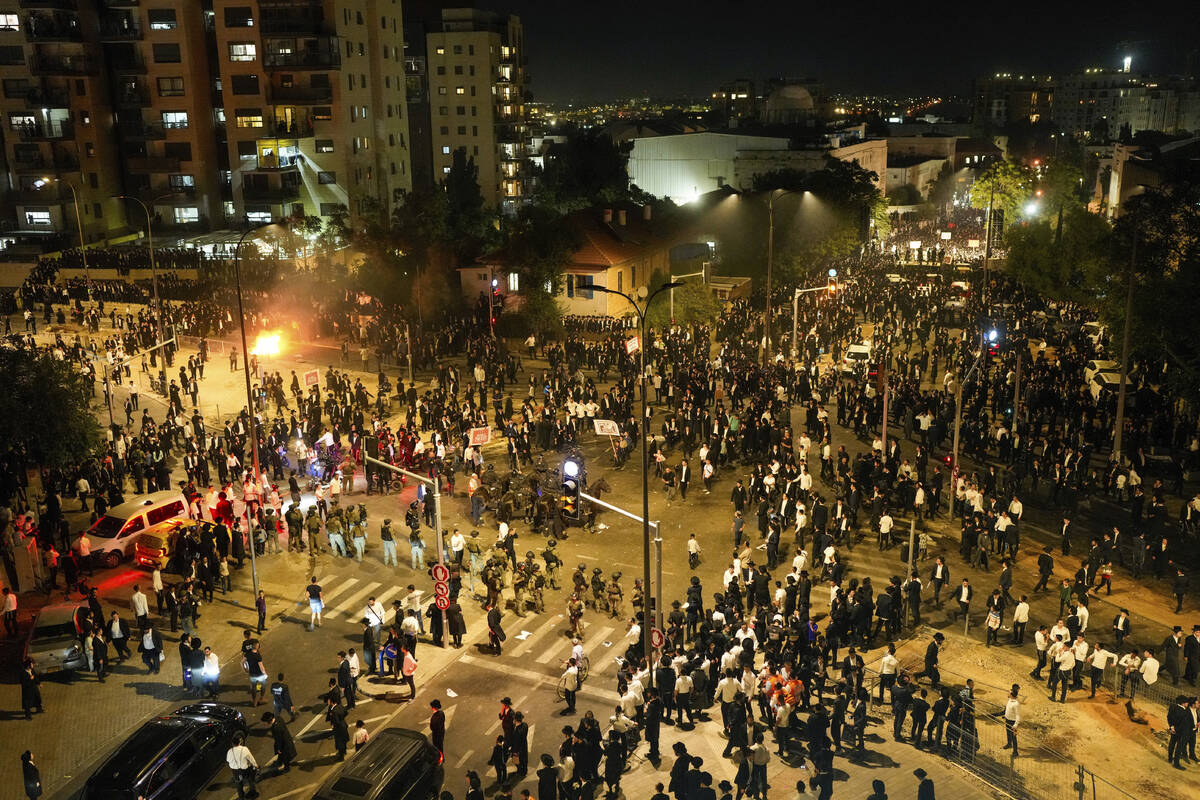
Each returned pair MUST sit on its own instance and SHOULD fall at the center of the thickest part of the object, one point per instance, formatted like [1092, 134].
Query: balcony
[45, 132]
[296, 129]
[128, 64]
[48, 98]
[168, 195]
[64, 65]
[270, 194]
[132, 97]
[41, 165]
[293, 23]
[279, 164]
[153, 165]
[48, 195]
[119, 29]
[64, 5]
[142, 131]
[301, 95]
[327, 57]
[44, 28]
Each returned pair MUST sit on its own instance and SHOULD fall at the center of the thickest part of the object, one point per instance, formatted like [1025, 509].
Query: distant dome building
[789, 104]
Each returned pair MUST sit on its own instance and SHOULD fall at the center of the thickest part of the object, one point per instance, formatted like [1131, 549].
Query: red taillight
[441, 758]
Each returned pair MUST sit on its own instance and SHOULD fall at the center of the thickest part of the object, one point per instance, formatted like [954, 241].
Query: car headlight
[74, 651]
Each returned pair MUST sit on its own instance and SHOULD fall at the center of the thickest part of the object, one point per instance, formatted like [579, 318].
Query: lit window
[177, 120]
[324, 145]
[37, 219]
[185, 214]
[9, 22]
[445, 149]
[445, 170]
[441, 51]
[249, 118]
[242, 51]
[459, 90]
[258, 217]
[162, 19]
[514, 282]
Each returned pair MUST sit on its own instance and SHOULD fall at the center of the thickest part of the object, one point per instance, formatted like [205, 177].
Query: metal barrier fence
[978, 745]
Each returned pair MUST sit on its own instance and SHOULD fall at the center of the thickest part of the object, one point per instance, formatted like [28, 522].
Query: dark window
[319, 80]
[239, 17]
[98, 210]
[247, 149]
[179, 150]
[326, 177]
[12, 54]
[324, 145]
[166, 53]
[329, 209]
[93, 180]
[244, 84]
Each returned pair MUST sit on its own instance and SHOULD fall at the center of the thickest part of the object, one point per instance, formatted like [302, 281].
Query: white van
[114, 535]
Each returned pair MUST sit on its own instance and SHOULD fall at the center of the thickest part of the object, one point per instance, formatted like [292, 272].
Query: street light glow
[993, 334]
[571, 468]
[1031, 209]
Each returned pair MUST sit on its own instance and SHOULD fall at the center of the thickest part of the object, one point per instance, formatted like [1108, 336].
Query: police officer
[475, 552]
[579, 580]
[599, 601]
[389, 542]
[294, 520]
[312, 524]
[520, 584]
[615, 595]
[550, 556]
[537, 585]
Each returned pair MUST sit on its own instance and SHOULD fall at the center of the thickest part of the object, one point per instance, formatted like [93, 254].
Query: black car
[169, 758]
[396, 764]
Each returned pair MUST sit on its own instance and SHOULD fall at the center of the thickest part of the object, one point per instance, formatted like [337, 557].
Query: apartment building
[58, 128]
[475, 62]
[312, 97]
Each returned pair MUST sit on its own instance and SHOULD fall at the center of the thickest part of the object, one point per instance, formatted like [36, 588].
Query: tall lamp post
[162, 372]
[771, 197]
[87, 279]
[958, 390]
[253, 419]
[644, 431]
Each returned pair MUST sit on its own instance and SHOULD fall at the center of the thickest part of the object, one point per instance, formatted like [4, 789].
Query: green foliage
[44, 410]
[1005, 184]
[540, 314]
[1073, 266]
[1164, 222]
[469, 226]
[906, 195]
[694, 303]
[941, 190]
[586, 170]
[539, 246]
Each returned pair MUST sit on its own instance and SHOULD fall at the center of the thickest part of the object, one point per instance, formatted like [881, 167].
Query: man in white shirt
[800, 562]
[1148, 670]
[1012, 718]
[141, 609]
[1082, 614]
[1062, 674]
[241, 762]
[885, 530]
[888, 665]
[374, 613]
[1041, 640]
[1080, 649]
[1020, 620]
[1097, 662]
[726, 692]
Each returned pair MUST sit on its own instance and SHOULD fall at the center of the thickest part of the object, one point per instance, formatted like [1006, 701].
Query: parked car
[114, 535]
[159, 545]
[1099, 365]
[855, 357]
[396, 764]
[173, 757]
[53, 641]
[1104, 384]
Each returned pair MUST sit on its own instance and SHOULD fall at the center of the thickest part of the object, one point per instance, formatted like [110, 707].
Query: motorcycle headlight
[74, 651]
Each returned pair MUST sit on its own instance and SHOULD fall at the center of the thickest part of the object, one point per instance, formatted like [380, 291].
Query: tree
[1071, 262]
[694, 303]
[906, 195]
[1003, 185]
[469, 225]
[1061, 187]
[44, 411]
[588, 169]
[538, 249]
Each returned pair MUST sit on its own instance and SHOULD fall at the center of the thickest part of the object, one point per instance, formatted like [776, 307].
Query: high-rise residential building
[312, 101]
[475, 62]
[212, 112]
[736, 99]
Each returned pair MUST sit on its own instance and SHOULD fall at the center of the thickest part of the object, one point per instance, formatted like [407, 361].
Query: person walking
[437, 726]
[345, 680]
[1012, 718]
[258, 675]
[245, 769]
[316, 602]
[260, 605]
[31, 775]
[31, 695]
[151, 648]
[284, 744]
[10, 612]
[335, 715]
[571, 684]
[499, 762]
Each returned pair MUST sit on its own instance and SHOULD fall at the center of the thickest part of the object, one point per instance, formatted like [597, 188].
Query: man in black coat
[437, 726]
[1045, 570]
[1179, 723]
[285, 745]
[344, 680]
[654, 717]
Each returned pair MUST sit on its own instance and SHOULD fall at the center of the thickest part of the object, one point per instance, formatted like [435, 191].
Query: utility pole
[1118, 433]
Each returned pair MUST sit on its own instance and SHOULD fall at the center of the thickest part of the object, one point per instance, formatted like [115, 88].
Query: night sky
[593, 51]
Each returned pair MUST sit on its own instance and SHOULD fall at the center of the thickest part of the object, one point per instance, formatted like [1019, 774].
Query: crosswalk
[345, 598]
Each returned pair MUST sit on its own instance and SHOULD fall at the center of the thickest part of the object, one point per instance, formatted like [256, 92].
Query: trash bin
[904, 552]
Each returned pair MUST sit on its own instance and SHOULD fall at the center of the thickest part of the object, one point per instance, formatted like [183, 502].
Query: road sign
[632, 345]
[480, 436]
[606, 427]
[312, 377]
[441, 589]
[441, 572]
[442, 602]
[657, 640]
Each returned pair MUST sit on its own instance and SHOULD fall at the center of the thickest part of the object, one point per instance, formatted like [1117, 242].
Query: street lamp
[644, 430]
[253, 419]
[771, 197]
[87, 280]
[992, 335]
[162, 372]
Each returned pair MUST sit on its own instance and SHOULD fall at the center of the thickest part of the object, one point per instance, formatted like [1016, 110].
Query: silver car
[54, 640]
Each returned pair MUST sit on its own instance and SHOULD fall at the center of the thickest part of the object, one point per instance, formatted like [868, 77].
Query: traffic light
[568, 501]
[833, 282]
